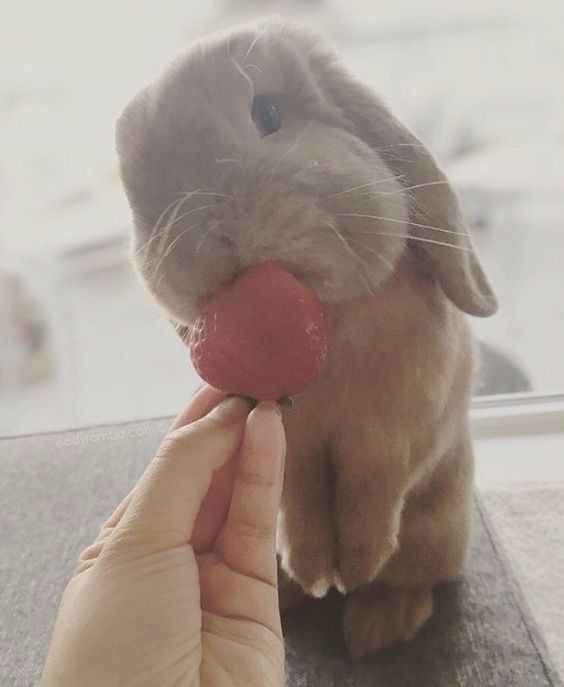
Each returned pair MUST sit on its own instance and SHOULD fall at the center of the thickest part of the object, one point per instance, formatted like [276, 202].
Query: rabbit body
[378, 475]
[379, 463]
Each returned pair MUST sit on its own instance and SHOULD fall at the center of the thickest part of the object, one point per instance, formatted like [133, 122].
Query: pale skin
[180, 586]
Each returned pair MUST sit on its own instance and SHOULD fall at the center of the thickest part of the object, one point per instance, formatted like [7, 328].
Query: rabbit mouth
[314, 279]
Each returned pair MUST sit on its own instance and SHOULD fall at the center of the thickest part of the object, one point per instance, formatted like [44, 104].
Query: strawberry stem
[287, 400]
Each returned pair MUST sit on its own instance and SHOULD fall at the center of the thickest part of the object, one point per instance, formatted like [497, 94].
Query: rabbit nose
[226, 241]
[229, 248]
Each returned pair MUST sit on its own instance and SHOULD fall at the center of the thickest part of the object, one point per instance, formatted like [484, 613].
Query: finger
[204, 400]
[88, 555]
[167, 498]
[215, 506]
[115, 517]
[249, 536]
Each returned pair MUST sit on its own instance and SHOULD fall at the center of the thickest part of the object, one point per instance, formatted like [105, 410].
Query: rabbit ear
[434, 209]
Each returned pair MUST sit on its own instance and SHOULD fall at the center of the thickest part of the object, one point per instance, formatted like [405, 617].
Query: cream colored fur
[379, 463]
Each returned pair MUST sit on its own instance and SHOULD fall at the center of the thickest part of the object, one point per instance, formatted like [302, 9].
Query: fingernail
[265, 405]
[231, 408]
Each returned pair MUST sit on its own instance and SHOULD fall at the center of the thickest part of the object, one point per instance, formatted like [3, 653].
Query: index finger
[205, 398]
[201, 403]
[166, 500]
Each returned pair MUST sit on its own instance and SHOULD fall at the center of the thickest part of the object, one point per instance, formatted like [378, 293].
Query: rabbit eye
[265, 115]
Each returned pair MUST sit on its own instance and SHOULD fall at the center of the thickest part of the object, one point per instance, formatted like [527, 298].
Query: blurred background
[80, 341]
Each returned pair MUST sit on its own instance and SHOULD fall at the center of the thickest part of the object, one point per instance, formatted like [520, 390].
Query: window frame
[517, 413]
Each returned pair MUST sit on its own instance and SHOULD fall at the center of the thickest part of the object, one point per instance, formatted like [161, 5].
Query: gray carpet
[56, 489]
[529, 518]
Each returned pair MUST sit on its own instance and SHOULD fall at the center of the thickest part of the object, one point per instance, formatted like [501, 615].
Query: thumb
[249, 535]
[166, 500]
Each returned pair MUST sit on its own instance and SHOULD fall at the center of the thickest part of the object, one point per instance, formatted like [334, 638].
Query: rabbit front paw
[312, 564]
[361, 559]
[312, 568]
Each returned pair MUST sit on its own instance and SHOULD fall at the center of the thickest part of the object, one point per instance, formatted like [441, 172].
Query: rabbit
[258, 144]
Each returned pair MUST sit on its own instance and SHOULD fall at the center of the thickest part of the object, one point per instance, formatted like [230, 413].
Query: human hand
[179, 588]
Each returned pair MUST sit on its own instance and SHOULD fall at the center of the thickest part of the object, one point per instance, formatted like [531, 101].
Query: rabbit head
[257, 144]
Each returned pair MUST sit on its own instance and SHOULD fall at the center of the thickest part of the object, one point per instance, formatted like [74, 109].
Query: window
[80, 341]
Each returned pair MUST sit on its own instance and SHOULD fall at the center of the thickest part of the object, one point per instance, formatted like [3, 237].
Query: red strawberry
[262, 336]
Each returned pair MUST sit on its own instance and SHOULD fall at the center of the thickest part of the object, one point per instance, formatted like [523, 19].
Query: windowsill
[519, 438]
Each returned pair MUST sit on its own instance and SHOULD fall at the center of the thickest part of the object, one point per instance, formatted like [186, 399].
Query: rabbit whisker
[284, 155]
[396, 201]
[202, 240]
[357, 188]
[374, 252]
[202, 192]
[251, 46]
[244, 75]
[254, 66]
[231, 159]
[145, 245]
[169, 224]
[163, 213]
[171, 246]
[467, 249]
[174, 220]
[401, 145]
[290, 150]
[403, 160]
[350, 250]
[441, 182]
[402, 221]
[400, 192]
[189, 212]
